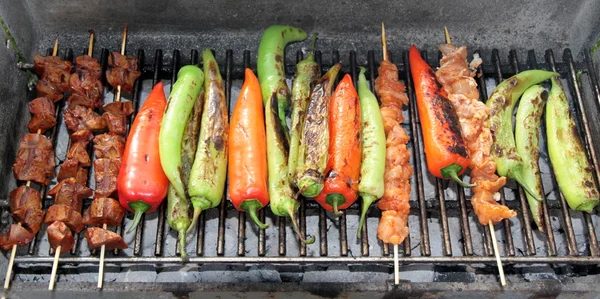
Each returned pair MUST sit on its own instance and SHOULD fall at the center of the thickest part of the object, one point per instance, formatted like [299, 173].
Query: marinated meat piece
[72, 169]
[97, 237]
[30, 218]
[88, 67]
[82, 100]
[42, 63]
[65, 213]
[80, 117]
[78, 152]
[71, 193]
[88, 86]
[57, 77]
[16, 235]
[35, 159]
[115, 116]
[104, 210]
[84, 136]
[43, 118]
[124, 108]
[45, 89]
[25, 197]
[108, 145]
[106, 173]
[60, 235]
[123, 72]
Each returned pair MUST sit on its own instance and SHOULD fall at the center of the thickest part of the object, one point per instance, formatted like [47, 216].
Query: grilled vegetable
[345, 148]
[501, 104]
[248, 151]
[307, 75]
[283, 199]
[271, 62]
[142, 184]
[181, 101]
[529, 117]
[445, 150]
[207, 178]
[574, 173]
[312, 153]
[372, 167]
[178, 208]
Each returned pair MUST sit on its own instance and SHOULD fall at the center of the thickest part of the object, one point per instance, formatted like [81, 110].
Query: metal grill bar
[591, 71]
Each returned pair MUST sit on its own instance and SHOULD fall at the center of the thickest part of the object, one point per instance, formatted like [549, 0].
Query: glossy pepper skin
[345, 149]
[248, 151]
[142, 183]
[502, 104]
[574, 172]
[271, 65]
[445, 150]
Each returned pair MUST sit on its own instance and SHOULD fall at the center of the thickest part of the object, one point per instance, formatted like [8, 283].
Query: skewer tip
[396, 266]
[54, 268]
[384, 42]
[497, 254]
[447, 34]
[55, 50]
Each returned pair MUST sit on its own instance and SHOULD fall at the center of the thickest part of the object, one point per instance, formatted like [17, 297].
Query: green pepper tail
[200, 204]
[139, 208]
[451, 171]
[536, 212]
[335, 200]
[292, 215]
[251, 206]
[181, 235]
[515, 174]
[368, 199]
[313, 44]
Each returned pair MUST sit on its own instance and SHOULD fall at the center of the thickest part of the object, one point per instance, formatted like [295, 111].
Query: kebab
[35, 158]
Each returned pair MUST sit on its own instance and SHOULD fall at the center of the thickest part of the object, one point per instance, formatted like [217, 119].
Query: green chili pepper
[574, 172]
[529, 117]
[307, 75]
[207, 178]
[501, 104]
[271, 65]
[179, 106]
[178, 208]
[282, 197]
[372, 168]
[314, 145]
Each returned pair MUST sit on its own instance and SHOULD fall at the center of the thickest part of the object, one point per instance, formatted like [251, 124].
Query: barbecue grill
[447, 253]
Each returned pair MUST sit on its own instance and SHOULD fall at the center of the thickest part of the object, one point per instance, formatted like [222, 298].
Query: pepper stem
[139, 208]
[516, 175]
[197, 212]
[181, 234]
[335, 200]
[452, 171]
[292, 215]
[367, 199]
[312, 46]
[251, 206]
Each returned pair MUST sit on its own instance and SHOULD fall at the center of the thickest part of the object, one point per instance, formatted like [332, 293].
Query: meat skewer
[393, 226]
[24, 200]
[457, 81]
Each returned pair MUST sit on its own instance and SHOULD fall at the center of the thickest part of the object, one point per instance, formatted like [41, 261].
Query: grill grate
[438, 208]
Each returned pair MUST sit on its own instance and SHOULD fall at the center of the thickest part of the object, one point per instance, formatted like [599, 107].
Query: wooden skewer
[118, 98]
[101, 269]
[490, 224]
[13, 253]
[91, 44]
[54, 268]
[396, 263]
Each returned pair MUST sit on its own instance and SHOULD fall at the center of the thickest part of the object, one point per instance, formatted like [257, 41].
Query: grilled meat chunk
[123, 72]
[86, 66]
[115, 116]
[104, 210]
[97, 237]
[35, 159]
[109, 145]
[79, 117]
[60, 235]
[71, 193]
[106, 173]
[72, 169]
[79, 152]
[46, 89]
[43, 118]
[16, 235]
[53, 70]
[25, 197]
[84, 136]
[65, 213]
[30, 218]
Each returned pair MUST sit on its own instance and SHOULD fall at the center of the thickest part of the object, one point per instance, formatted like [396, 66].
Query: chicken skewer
[393, 226]
[13, 252]
[457, 80]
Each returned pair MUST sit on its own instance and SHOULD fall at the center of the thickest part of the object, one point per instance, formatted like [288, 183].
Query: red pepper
[445, 150]
[345, 150]
[142, 183]
[248, 151]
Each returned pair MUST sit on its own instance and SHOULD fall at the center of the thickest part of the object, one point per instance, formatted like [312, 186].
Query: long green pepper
[207, 178]
[372, 169]
[502, 104]
[307, 75]
[574, 172]
[529, 117]
[178, 208]
[314, 144]
[271, 65]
